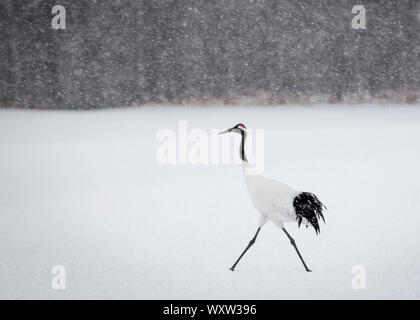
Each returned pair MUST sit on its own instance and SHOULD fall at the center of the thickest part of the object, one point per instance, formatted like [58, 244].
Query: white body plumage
[273, 199]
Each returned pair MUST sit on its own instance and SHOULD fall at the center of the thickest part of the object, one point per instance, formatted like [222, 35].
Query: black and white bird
[277, 201]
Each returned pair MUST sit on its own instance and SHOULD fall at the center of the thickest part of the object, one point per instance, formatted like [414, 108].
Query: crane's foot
[308, 270]
[232, 269]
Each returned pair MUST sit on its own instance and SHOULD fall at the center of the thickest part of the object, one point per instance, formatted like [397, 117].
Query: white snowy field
[84, 190]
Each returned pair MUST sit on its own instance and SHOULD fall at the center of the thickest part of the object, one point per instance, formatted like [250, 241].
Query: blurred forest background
[117, 53]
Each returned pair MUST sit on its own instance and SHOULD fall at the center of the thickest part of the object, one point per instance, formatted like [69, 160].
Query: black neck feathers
[242, 147]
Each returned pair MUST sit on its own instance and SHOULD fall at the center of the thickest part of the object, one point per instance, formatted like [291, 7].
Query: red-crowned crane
[277, 202]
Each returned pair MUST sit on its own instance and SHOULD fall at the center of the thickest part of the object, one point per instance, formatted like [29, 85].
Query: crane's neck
[249, 170]
[242, 148]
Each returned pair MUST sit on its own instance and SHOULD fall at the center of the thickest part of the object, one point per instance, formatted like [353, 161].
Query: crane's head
[239, 128]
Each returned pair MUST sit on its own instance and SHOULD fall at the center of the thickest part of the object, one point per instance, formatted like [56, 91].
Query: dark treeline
[122, 52]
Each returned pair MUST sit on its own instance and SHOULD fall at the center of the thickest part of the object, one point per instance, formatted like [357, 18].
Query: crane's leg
[246, 249]
[292, 241]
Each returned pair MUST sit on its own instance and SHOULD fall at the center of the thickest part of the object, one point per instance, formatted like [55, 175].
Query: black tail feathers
[308, 206]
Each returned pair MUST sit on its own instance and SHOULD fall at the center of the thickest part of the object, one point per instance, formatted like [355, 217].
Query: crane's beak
[226, 131]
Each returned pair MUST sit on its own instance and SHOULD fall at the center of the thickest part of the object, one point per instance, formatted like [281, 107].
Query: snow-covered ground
[84, 190]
